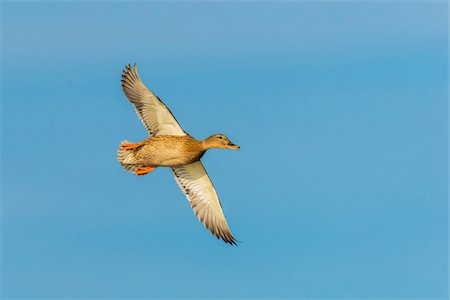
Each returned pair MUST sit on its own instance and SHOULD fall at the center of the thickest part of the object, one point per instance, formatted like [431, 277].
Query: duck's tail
[125, 155]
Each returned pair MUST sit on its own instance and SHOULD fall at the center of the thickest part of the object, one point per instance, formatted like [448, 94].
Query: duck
[169, 145]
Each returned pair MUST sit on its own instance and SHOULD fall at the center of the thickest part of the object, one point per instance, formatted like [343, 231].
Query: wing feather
[154, 114]
[201, 194]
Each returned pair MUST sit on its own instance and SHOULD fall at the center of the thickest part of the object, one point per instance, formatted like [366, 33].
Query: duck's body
[169, 145]
[165, 151]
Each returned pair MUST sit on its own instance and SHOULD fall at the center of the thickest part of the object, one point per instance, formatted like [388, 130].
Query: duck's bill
[232, 146]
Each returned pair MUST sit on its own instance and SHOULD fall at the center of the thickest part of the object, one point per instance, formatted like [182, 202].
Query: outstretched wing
[154, 114]
[199, 190]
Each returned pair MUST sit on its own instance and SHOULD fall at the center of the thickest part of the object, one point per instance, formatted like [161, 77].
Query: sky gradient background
[340, 187]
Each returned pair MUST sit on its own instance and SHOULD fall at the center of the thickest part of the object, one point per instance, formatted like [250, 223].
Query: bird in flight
[169, 145]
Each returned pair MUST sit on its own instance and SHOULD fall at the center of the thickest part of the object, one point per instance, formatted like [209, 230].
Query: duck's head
[219, 141]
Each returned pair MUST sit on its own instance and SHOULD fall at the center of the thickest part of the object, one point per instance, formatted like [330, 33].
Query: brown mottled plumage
[170, 150]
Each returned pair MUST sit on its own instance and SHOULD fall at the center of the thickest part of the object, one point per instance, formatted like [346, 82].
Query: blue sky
[340, 187]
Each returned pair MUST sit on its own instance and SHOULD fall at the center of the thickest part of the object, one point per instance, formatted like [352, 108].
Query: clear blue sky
[340, 187]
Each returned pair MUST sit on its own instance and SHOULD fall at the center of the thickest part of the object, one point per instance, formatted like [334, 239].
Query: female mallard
[170, 146]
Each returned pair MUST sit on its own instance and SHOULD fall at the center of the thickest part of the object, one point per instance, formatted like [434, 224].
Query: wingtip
[129, 74]
[128, 68]
[233, 242]
[230, 240]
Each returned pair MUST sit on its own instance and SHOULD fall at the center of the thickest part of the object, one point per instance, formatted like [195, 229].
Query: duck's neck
[206, 144]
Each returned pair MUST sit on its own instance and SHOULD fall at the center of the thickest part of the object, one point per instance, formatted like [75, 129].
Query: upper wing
[199, 190]
[154, 114]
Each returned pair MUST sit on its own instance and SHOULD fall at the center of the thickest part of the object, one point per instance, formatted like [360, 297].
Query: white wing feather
[154, 114]
[199, 190]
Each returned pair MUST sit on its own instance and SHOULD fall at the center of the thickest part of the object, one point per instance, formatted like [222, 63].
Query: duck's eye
[220, 137]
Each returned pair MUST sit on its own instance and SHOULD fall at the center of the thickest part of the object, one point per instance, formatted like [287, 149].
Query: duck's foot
[131, 146]
[143, 170]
